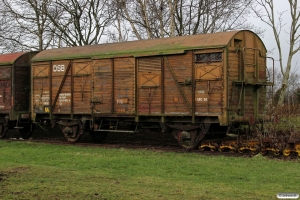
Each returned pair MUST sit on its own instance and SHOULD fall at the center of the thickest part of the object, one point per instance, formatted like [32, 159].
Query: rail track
[209, 147]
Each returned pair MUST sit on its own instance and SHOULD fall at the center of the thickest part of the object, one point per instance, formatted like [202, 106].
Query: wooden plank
[124, 85]
[175, 104]
[40, 94]
[149, 85]
[102, 86]
[5, 96]
[41, 70]
[82, 90]
[63, 104]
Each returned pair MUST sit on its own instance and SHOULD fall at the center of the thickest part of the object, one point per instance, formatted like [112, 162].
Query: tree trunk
[285, 81]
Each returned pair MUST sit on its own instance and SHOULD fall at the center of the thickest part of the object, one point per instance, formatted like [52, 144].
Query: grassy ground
[40, 171]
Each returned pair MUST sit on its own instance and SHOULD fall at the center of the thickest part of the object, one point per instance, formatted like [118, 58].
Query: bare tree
[292, 86]
[79, 23]
[119, 30]
[208, 16]
[172, 7]
[145, 17]
[42, 24]
[120, 10]
[266, 13]
[26, 25]
[158, 18]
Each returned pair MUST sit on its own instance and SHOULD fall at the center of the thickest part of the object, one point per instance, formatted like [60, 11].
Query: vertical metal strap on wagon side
[193, 88]
[50, 90]
[162, 108]
[112, 85]
[72, 91]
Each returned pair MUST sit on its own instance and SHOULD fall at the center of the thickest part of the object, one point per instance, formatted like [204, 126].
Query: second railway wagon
[15, 92]
[188, 85]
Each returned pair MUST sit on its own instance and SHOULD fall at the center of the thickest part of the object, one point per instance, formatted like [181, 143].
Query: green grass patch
[41, 171]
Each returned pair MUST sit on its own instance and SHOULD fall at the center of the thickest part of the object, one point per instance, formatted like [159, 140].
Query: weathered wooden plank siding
[251, 60]
[82, 84]
[149, 85]
[63, 103]
[40, 94]
[5, 95]
[249, 100]
[124, 85]
[234, 65]
[209, 97]
[209, 82]
[262, 90]
[41, 86]
[5, 89]
[178, 68]
[227, 78]
[102, 79]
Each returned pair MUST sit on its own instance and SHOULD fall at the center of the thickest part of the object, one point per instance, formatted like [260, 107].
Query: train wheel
[214, 147]
[276, 152]
[241, 150]
[221, 148]
[72, 133]
[203, 149]
[2, 130]
[188, 139]
[254, 150]
[233, 148]
[263, 151]
[98, 136]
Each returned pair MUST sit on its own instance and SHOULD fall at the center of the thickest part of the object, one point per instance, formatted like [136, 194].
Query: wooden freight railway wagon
[15, 92]
[189, 84]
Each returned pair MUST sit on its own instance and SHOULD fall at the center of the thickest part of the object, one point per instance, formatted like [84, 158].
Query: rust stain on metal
[7, 59]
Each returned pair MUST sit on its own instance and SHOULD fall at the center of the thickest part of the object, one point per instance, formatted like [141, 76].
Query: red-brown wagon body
[190, 84]
[15, 92]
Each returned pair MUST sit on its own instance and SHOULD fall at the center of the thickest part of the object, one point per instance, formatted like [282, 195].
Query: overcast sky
[268, 36]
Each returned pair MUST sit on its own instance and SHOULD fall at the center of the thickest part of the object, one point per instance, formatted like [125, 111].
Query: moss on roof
[161, 46]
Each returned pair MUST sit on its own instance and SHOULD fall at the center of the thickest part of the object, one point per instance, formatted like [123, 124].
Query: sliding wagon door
[40, 88]
[149, 85]
[113, 86]
[124, 80]
[209, 82]
[82, 85]
[102, 86]
[61, 87]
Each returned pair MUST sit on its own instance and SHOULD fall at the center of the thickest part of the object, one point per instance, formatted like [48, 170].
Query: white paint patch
[201, 99]
[201, 92]
[59, 68]
[64, 98]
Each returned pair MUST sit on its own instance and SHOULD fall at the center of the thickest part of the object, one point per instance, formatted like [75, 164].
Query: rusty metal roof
[8, 59]
[161, 46]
